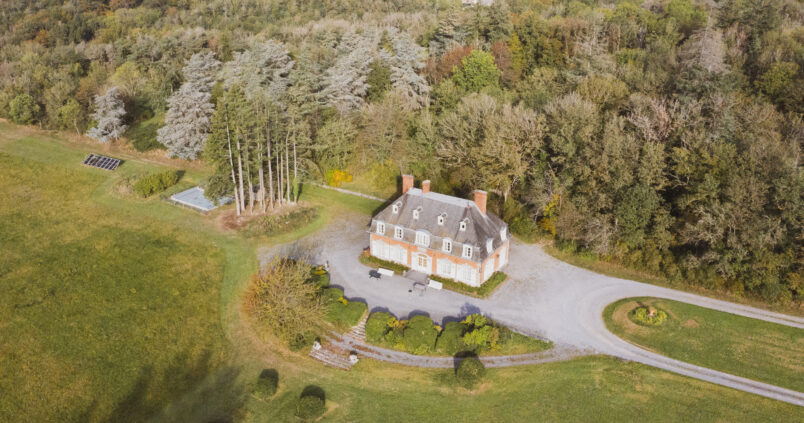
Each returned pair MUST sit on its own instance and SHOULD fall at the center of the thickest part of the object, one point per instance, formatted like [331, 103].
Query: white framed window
[380, 249]
[504, 233]
[446, 245]
[489, 245]
[445, 268]
[395, 208]
[398, 232]
[381, 228]
[463, 224]
[467, 251]
[416, 213]
[422, 238]
[441, 218]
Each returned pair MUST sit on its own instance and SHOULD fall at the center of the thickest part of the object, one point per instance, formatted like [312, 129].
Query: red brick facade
[412, 252]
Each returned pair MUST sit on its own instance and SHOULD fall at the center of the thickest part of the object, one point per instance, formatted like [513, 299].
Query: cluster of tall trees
[665, 135]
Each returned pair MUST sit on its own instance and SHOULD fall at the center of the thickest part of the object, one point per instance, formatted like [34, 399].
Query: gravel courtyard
[543, 297]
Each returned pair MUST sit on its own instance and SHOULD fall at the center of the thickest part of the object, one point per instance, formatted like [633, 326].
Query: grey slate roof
[479, 227]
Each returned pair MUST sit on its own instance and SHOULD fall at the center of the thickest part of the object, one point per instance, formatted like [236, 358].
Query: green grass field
[114, 308]
[112, 315]
[593, 389]
[733, 344]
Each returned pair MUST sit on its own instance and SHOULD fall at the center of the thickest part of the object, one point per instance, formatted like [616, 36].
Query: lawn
[110, 306]
[593, 389]
[746, 347]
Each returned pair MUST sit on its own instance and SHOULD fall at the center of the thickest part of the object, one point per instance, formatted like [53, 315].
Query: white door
[421, 262]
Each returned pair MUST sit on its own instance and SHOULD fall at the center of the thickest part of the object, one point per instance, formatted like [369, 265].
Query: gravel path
[544, 297]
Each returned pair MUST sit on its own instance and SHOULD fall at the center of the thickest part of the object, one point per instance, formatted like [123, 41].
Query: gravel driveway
[543, 297]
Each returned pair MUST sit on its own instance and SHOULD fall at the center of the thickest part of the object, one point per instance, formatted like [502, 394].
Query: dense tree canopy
[663, 135]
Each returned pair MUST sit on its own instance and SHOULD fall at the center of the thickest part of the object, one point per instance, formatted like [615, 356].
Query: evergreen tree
[345, 82]
[189, 114]
[108, 115]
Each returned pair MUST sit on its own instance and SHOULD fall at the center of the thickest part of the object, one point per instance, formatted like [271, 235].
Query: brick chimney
[425, 186]
[480, 199]
[407, 183]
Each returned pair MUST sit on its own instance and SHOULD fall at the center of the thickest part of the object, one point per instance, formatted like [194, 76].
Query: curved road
[543, 297]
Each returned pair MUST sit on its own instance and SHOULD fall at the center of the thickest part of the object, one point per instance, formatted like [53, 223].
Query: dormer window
[422, 239]
[463, 224]
[504, 233]
[381, 228]
[441, 218]
[395, 208]
[489, 245]
[467, 251]
[416, 214]
[399, 232]
[446, 245]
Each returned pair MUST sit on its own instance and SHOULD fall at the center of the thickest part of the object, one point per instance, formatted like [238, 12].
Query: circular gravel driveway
[543, 297]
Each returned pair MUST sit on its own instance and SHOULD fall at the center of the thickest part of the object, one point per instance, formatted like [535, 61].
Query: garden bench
[385, 272]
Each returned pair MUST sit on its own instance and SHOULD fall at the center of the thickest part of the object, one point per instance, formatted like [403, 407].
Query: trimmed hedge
[374, 262]
[420, 335]
[156, 182]
[481, 291]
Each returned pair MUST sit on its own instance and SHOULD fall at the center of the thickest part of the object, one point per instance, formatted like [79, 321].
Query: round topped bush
[310, 406]
[268, 382]
[469, 372]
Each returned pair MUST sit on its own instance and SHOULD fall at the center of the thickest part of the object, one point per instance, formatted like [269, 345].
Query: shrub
[642, 315]
[336, 177]
[341, 312]
[156, 182]
[302, 341]
[377, 326]
[420, 335]
[469, 372]
[449, 341]
[267, 382]
[309, 407]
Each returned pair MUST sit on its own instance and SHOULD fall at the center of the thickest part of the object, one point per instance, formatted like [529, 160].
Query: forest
[664, 135]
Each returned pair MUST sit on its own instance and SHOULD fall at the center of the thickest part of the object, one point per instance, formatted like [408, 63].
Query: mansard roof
[480, 227]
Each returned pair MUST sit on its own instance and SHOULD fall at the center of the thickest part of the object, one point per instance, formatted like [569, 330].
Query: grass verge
[738, 345]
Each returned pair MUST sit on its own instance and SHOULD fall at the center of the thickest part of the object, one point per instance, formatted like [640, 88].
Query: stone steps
[332, 356]
[333, 353]
[358, 332]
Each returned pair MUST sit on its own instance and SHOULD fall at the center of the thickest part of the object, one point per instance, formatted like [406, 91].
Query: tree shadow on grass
[190, 389]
